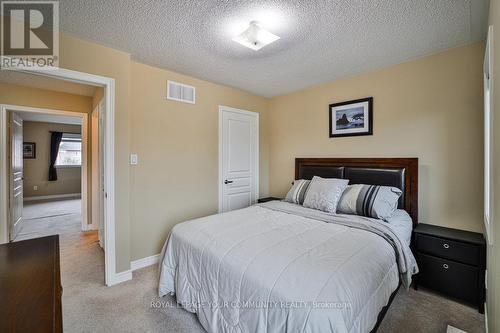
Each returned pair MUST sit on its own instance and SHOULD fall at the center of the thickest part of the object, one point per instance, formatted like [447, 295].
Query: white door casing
[16, 174]
[238, 158]
[84, 174]
[101, 152]
[95, 189]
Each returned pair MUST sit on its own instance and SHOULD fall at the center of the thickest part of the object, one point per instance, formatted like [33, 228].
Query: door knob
[228, 181]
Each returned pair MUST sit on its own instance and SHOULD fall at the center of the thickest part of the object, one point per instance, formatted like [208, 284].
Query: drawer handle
[446, 245]
[445, 266]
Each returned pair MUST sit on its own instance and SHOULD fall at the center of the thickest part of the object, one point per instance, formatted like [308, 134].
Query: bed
[277, 266]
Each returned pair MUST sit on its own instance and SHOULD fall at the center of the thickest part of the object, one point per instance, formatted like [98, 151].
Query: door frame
[111, 276]
[20, 109]
[223, 109]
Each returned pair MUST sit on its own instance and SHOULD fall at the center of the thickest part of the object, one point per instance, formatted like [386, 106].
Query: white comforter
[280, 267]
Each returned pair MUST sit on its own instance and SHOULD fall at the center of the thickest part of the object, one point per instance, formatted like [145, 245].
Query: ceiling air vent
[181, 92]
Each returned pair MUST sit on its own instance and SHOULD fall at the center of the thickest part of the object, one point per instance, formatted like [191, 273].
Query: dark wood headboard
[398, 172]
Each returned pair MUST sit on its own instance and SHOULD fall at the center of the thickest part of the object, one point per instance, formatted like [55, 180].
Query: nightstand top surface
[449, 233]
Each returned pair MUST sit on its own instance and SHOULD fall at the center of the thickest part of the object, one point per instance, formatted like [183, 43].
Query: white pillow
[324, 193]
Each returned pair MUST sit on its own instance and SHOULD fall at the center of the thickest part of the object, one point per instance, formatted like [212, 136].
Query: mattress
[281, 267]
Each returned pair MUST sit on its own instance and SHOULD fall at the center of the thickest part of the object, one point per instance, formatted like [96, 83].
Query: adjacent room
[250, 166]
[52, 187]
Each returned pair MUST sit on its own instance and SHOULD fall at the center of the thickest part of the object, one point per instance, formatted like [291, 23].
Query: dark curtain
[55, 141]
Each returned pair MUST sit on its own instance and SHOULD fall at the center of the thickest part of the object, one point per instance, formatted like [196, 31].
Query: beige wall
[430, 108]
[493, 256]
[36, 171]
[41, 98]
[177, 144]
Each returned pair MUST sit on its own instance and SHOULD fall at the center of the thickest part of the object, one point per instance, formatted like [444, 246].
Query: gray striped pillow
[298, 191]
[379, 202]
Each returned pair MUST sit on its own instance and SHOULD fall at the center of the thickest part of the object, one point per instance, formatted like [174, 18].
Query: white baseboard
[121, 277]
[144, 262]
[54, 196]
[134, 265]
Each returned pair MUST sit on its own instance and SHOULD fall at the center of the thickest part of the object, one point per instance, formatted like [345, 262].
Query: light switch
[134, 159]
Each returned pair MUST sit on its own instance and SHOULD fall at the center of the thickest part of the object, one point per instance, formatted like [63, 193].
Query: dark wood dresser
[452, 262]
[30, 286]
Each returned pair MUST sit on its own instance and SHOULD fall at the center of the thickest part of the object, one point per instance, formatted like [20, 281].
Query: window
[70, 151]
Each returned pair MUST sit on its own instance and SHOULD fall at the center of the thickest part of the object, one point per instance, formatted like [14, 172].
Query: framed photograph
[29, 150]
[351, 118]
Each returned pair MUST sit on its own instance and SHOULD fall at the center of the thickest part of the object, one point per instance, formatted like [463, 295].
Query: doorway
[31, 131]
[108, 85]
[238, 158]
[48, 167]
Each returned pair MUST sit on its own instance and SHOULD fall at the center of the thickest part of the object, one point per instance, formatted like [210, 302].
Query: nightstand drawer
[443, 248]
[451, 278]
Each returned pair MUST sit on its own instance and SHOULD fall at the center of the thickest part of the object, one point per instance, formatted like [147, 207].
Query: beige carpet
[44, 218]
[89, 306]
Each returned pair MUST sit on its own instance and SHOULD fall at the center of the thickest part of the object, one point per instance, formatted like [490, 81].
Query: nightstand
[261, 200]
[452, 262]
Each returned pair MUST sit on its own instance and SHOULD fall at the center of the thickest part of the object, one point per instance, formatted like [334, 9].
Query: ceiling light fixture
[255, 37]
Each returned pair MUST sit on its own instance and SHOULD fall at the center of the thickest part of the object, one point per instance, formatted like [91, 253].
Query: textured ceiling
[321, 40]
[42, 82]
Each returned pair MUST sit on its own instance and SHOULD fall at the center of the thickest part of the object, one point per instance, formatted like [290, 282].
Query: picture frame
[351, 118]
[29, 150]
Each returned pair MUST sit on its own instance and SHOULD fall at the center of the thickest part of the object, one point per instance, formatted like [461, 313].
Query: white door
[238, 158]
[102, 196]
[16, 175]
